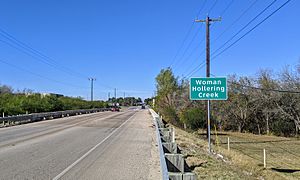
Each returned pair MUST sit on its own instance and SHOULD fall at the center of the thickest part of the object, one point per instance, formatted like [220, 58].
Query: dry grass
[244, 160]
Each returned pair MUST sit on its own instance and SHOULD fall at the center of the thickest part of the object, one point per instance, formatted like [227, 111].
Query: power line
[251, 29]
[194, 62]
[236, 20]
[202, 64]
[194, 50]
[262, 89]
[36, 54]
[253, 19]
[182, 44]
[212, 6]
[273, 90]
[200, 10]
[186, 49]
[226, 8]
[196, 69]
[41, 76]
[187, 35]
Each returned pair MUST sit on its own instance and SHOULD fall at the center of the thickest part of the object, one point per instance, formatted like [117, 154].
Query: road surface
[105, 145]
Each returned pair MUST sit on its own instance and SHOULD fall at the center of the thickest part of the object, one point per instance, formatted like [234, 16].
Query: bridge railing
[26, 118]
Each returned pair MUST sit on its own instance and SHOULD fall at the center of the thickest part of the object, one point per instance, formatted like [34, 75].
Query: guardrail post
[175, 162]
[228, 144]
[265, 165]
[173, 135]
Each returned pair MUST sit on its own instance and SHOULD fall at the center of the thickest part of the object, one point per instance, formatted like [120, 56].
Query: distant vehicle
[115, 109]
[143, 106]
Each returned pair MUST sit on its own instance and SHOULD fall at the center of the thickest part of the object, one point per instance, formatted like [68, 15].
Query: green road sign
[208, 88]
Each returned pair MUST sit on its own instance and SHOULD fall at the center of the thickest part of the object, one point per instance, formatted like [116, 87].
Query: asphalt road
[105, 145]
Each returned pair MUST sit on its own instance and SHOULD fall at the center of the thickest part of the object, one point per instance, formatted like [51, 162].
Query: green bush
[194, 118]
[14, 104]
[169, 115]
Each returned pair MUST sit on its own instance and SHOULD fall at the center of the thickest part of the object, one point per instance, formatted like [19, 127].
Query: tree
[266, 103]
[167, 86]
[289, 103]
[5, 89]
[240, 106]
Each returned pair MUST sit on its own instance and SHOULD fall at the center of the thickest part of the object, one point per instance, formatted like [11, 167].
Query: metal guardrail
[172, 162]
[47, 115]
[163, 164]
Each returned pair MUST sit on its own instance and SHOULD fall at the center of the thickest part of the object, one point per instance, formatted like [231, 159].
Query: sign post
[208, 89]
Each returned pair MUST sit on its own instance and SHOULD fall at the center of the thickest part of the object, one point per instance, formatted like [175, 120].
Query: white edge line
[91, 150]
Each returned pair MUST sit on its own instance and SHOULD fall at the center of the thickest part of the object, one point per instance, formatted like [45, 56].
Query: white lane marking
[91, 150]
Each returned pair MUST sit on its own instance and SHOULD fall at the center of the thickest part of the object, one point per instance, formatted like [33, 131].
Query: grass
[245, 158]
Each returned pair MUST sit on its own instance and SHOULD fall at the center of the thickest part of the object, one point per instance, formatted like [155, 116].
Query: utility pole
[124, 99]
[207, 22]
[108, 96]
[92, 87]
[115, 96]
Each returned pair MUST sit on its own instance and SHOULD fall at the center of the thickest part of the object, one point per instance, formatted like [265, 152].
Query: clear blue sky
[125, 43]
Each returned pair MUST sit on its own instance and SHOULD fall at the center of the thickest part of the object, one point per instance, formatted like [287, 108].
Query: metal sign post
[208, 89]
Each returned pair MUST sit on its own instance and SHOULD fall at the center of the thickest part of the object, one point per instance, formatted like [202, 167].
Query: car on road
[115, 108]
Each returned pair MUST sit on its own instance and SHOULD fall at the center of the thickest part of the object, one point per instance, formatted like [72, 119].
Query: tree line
[127, 101]
[14, 103]
[267, 103]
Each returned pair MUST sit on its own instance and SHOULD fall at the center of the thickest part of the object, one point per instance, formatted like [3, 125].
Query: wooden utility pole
[207, 22]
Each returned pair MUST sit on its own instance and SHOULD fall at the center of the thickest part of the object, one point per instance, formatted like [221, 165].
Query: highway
[104, 145]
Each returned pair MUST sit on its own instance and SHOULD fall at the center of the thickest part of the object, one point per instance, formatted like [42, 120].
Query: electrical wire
[194, 63]
[186, 36]
[179, 62]
[244, 27]
[212, 6]
[235, 21]
[226, 8]
[41, 76]
[37, 55]
[258, 24]
[262, 89]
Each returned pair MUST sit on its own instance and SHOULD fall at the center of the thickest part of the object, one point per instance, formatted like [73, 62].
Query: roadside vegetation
[262, 112]
[127, 101]
[268, 103]
[14, 103]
